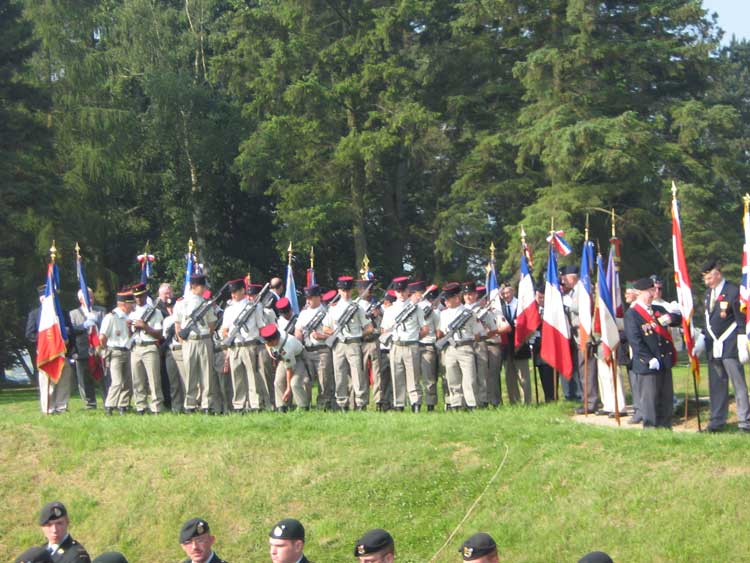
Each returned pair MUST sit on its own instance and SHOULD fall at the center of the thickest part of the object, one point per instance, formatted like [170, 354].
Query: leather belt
[176, 347]
[353, 340]
[243, 344]
[464, 343]
[153, 343]
[200, 337]
[316, 348]
[404, 342]
[118, 348]
[426, 344]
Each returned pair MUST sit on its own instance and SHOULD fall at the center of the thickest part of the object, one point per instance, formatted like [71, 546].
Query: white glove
[88, 323]
[742, 349]
[700, 343]
[653, 364]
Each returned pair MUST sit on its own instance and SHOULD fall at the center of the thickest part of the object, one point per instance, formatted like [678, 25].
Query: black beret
[236, 285]
[710, 264]
[469, 287]
[478, 545]
[569, 269]
[125, 296]
[111, 557]
[192, 528]
[313, 291]
[643, 283]
[451, 289]
[288, 529]
[345, 282]
[400, 283]
[52, 511]
[35, 555]
[596, 557]
[372, 542]
[198, 279]
[417, 286]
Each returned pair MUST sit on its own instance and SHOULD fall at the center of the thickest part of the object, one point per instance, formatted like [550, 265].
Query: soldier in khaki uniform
[172, 356]
[115, 341]
[471, 302]
[405, 323]
[426, 297]
[198, 350]
[370, 344]
[317, 355]
[145, 363]
[347, 350]
[458, 356]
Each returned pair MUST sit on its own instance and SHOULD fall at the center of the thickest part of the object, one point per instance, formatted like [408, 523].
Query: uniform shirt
[431, 319]
[289, 350]
[305, 316]
[115, 328]
[250, 331]
[354, 327]
[469, 330]
[77, 318]
[189, 304]
[155, 322]
[488, 324]
[407, 331]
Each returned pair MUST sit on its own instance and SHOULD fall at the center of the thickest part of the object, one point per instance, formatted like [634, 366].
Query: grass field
[562, 488]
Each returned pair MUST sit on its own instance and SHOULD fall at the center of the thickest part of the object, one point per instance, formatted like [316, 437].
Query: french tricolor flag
[555, 349]
[583, 294]
[527, 318]
[559, 243]
[610, 334]
[50, 346]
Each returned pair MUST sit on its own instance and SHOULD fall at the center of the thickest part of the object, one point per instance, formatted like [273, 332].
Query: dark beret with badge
[569, 269]
[236, 285]
[138, 289]
[431, 292]
[111, 557]
[373, 541]
[416, 286]
[365, 284]
[35, 555]
[643, 284]
[193, 528]
[478, 545]
[596, 557]
[469, 287]
[125, 296]
[52, 511]
[254, 289]
[288, 529]
[390, 296]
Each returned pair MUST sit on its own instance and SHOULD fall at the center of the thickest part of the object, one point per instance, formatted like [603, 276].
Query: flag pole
[584, 349]
[52, 257]
[612, 360]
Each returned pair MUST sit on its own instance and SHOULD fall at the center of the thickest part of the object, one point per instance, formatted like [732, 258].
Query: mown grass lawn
[563, 489]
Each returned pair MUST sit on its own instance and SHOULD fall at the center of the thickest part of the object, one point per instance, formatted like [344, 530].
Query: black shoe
[108, 411]
[614, 415]
[90, 407]
[415, 408]
[430, 408]
[379, 407]
[140, 413]
[189, 411]
[398, 409]
[602, 412]
[122, 410]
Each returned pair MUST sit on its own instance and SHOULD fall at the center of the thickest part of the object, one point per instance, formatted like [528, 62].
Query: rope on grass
[472, 507]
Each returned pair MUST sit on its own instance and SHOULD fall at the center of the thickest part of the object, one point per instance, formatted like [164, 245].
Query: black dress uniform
[649, 341]
[70, 551]
[213, 559]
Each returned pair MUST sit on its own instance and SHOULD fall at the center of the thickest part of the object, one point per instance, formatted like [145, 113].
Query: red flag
[50, 344]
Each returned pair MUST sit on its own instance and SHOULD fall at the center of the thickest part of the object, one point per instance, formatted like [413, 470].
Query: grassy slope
[564, 489]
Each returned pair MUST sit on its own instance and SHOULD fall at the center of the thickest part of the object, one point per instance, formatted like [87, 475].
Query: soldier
[173, 357]
[286, 321]
[653, 354]
[197, 349]
[624, 358]
[370, 344]
[404, 321]
[516, 361]
[375, 546]
[287, 542]
[546, 373]
[596, 557]
[115, 341]
[726, 347]
[347, 350]
[386, 383]
[145, 364]
[425, 298]
[197, 542]
[471, 302]
[287, 351]
[317, 356]
[54, 521]
[480, 548]
[83, 321]
[460, 325]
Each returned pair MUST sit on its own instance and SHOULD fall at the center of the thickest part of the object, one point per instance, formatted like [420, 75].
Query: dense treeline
[416, 132]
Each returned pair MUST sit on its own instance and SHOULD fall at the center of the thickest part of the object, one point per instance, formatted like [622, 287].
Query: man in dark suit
[82, 321]
[287, 542]
[198, 543]
[726, 347]
[653, 354]
[60, 544]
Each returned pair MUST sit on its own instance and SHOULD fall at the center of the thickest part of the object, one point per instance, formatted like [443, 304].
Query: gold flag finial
[586, 231]
[365, 267]
[53, 251]
[312, 258]
[614, 230]
[674, 190]
[191, 245]
[289, 253]
[78, 251]
[492, 250]
[523, 235]
[552, 225]
[746, 201]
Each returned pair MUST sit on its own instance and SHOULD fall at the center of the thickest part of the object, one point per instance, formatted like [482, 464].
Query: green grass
[565, 488]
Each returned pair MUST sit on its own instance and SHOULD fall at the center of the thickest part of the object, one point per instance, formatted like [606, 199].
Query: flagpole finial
[191, 245]
[78, 250]
[523, 234]
[746, 201]
[586, 231]
[613, 224]
[674, 190]
[365, 267]
[552, 225]
[53, 251]
[289, 253]
[492, 250]
[312, 257]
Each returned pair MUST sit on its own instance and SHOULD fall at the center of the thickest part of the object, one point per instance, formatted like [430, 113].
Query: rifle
[483, 312]
[341, 322]
[400, 319]
[247, 311]
[371, 307]
[454, 326]
[198, 313]
[313, 323]
[290, 325]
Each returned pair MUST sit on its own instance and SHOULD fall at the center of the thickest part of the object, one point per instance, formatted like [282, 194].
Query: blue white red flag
[610, 333]
[146, 261]
[584, 293]
[745, 285]
[490, 282]
[555, 348]
[50, 347]
[527, 317]
[95, 364]
[291, 289]
[559, 243]
[613, 278]
[189, 269]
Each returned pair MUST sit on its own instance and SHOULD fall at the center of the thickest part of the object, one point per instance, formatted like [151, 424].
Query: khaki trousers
[348, 371]
[480, 389]
[121, 385]
[371, 358]
[145, 369]
[428, 371]
[406, 366]
[460, 371]
[494, 365]
[517, 373]
[54, 397]
[319, 364]
[198, 360]
[242, 365]
[173, 362]
[300, 385]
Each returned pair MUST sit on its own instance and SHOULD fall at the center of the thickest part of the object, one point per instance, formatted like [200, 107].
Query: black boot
[415, 408]
[430, 408]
